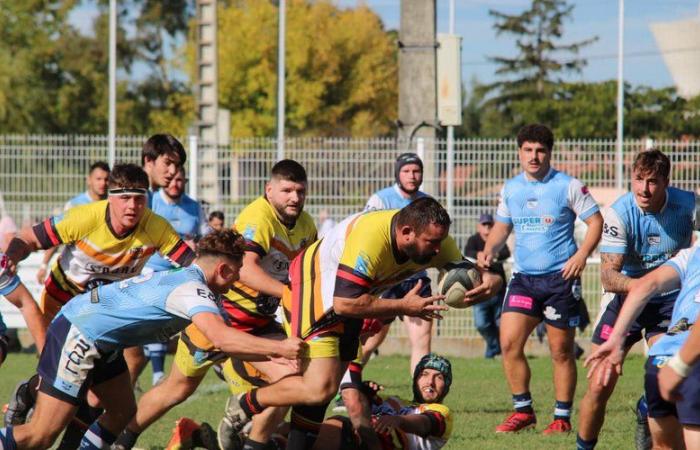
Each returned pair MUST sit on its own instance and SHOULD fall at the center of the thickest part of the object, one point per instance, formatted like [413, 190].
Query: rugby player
[186, 216]
[86, 340]
[424, 423]
[97, 180]
[275, 229]
[541, 205]
[643, 229]
[104, 241]
[408, 175]
[334, 284]
[672, 379]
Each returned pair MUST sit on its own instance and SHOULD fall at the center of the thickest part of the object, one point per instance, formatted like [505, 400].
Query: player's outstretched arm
[255, 277]
[20, 247]
[611, 276]
[496, 240]
[679, 366]
[611, 353]
[575, 265]
[22, 299]
[245, 346]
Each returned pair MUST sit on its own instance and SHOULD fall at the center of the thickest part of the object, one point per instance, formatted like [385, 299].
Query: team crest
[532, 203]
[654, 239]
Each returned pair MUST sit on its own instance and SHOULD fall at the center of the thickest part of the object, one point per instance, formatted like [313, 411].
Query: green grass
[479, 400]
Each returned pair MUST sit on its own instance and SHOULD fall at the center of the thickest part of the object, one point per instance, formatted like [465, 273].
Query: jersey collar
[401, 192]
[167, 199]
[546, 178]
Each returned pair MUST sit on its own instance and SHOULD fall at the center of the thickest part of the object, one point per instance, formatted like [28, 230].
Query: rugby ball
[458, 278]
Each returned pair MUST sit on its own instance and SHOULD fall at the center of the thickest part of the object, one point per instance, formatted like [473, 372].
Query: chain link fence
[38, 173]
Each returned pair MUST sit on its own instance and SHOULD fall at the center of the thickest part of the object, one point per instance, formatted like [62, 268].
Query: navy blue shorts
[548, 297]
[688, 409]
[400, 290]
[71, 363]
[653, 320]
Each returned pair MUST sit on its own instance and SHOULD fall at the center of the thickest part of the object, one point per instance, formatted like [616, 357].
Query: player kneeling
[85, 342]
[425, 423]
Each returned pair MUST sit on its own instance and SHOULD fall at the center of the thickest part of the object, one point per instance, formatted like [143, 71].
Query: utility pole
[417, 91]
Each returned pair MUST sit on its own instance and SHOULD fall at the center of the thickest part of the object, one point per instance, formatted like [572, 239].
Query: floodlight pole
[620, 95]
[281, 78]
[112, 113]
[451, 137]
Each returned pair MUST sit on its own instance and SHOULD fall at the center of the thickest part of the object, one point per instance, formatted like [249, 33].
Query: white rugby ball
[459, 277]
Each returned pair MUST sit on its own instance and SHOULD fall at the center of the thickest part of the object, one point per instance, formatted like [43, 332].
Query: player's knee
[322, 393]
[562, 354]
[509, 347]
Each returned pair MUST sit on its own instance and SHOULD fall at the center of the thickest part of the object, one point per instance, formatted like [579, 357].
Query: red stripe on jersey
[48, 226]
[55, 291]
[353, 278]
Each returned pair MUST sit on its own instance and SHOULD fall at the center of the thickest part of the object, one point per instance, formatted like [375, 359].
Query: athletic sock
[127, 439]
[523, 403]
[7, 440]
[97, 437]
[562, 410]
[249, 403]
[254, 445]
[305, 424]
[585, 445]
[642, 409]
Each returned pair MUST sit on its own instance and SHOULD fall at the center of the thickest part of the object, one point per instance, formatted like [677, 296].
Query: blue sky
[643, 63]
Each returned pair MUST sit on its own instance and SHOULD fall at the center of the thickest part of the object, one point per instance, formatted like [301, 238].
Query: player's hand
[490, 286]
[601, 363]
[426, 308]
[669, 382]
[291, 348]
[386, 424]
[574, 266]
[41, 274]
[484, 259]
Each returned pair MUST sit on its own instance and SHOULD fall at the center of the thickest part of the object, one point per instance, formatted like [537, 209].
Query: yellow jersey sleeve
[72, 225]
[440, 418]
[256, 227]
[169, 243]
[360, 260]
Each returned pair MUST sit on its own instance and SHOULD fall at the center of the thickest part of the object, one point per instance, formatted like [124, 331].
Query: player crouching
[85, 342]
[425, 423]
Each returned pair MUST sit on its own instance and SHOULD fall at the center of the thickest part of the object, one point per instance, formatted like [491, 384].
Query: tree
[538, 63]
[341, 75]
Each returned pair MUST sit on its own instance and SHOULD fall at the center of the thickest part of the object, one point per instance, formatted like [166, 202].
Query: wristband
[677, 365]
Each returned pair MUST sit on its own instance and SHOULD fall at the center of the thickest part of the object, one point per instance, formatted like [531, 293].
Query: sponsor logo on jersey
[520, 301]
[551, 313]
[531, 203]
[533, 224]
[361, 264]
[249, 232]
[654, 239]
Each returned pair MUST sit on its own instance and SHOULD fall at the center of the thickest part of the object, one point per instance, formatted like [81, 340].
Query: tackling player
[85, 341]
[643, 229]
[541, 205]
[334, 284]
[275, 229]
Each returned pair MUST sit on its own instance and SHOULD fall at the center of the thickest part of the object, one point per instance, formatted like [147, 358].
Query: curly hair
[536, 132]
[226, 243]
[128, 176]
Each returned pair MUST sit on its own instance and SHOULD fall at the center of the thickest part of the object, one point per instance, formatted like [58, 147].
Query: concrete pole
[281, 44]
[112, 113]
[620, 95]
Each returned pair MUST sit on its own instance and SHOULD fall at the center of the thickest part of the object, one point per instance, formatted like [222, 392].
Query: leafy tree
[341, 75]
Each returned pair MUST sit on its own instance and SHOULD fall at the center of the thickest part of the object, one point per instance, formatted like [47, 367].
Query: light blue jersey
[144, 309]
[648, 240]
[391, 198]
[542, 214]
[687, 306]
[186, 218]
[80, 199]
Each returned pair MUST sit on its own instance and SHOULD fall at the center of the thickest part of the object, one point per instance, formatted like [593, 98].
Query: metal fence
[39, 173]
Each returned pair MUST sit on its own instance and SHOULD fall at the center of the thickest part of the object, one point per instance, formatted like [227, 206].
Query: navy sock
[254, 445]
[7, 440]
[97, 437]
[585, 445]
[562, 410]
[642, 409]
[249, 403]
[523, 403]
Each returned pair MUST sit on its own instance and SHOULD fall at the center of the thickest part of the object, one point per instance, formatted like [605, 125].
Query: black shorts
[548, 297]
[70, 363]
[653, 320]
[687, 409]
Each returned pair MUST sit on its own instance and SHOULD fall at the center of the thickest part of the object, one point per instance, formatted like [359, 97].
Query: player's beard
[408, 191]
[288, 219]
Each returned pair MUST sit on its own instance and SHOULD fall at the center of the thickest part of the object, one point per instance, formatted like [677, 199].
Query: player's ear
[406, 230]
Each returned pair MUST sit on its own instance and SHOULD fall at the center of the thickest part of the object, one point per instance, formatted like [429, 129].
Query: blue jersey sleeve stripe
[585, 215]
[201, 309]
[507, 220]
[612, 249]
[11, 286]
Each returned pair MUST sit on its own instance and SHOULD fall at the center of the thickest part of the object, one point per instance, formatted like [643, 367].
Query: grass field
[478, 399]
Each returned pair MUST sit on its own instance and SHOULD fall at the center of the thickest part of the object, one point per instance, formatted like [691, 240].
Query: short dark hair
[652, 162]
[128, 176]
[226, 243]
[536, 132]
[161, 144]
[289, 170]
[217, 215]
[422, 212]
[98, 165]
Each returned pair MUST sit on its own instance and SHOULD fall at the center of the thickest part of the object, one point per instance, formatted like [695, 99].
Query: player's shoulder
[305, 223]
[257, 210]
[514, 183]
[386, 192]
[436, 407]
[81, 199]
[89, 213]
[679, 198]
[624, 203]
[154, 224]
[189, 204]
